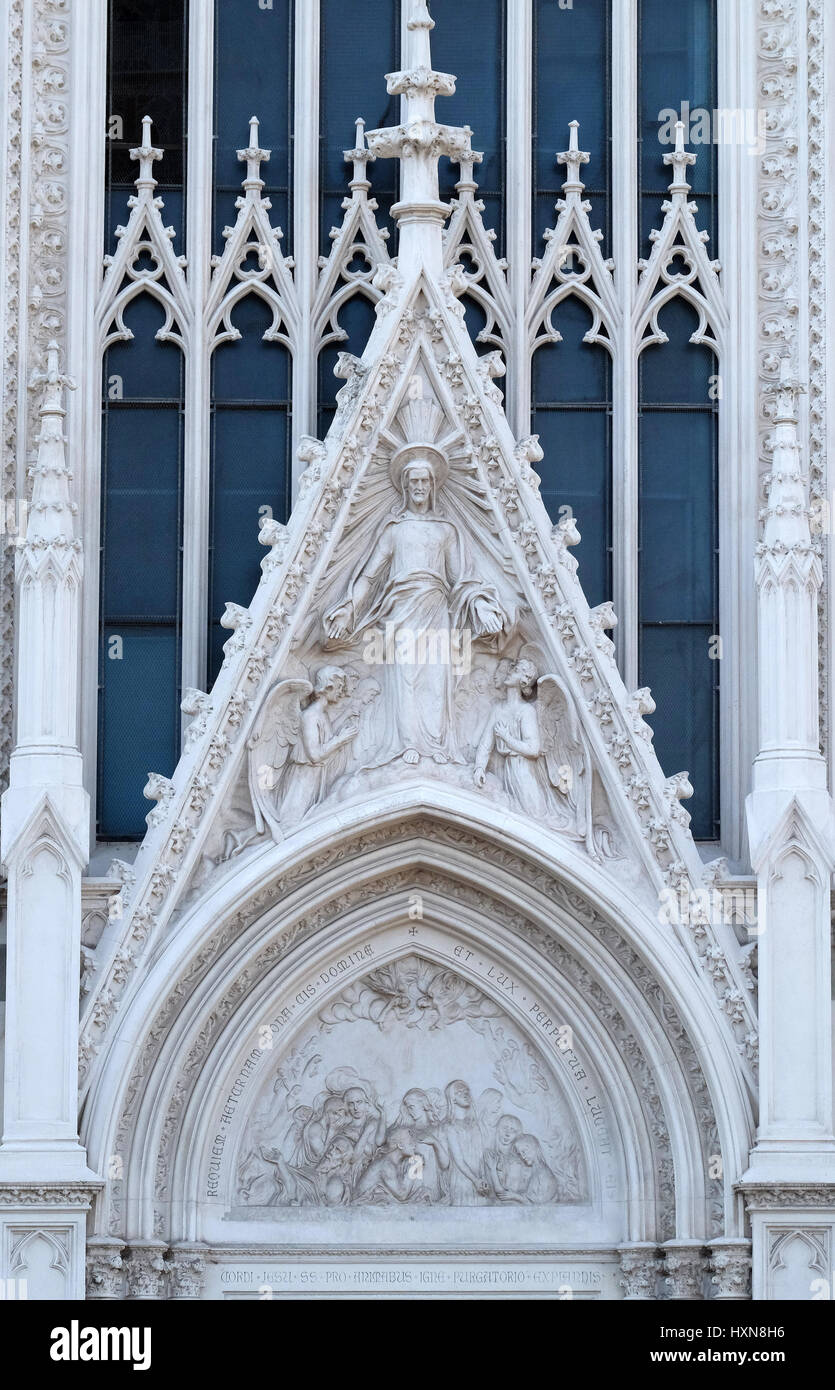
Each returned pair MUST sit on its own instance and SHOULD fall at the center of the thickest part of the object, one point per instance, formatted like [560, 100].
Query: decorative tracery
[144, 262]
[679, 265]
[513, 315]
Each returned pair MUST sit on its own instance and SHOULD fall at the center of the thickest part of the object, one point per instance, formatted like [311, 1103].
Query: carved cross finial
[146, 153]
[359, 156]
[572, 158]
[253, 155]
[680, 158]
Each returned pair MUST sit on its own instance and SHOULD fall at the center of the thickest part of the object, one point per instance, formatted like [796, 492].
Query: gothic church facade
[416, 672]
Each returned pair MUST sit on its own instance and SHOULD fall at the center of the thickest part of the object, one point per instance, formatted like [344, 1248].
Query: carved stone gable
[419, 622]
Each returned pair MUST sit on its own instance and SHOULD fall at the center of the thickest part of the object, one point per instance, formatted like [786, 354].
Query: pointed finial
[466, 183]
[52, 380]
[51, 510]
[418, 142]
[680, 159]
[253, 155]
[359, 156]
[572, 158]
[146, 153]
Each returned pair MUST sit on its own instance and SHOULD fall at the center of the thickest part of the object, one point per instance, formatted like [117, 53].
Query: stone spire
[788, 573]
[48, 576]
[418, 142]
[45, 832]
[792, 840]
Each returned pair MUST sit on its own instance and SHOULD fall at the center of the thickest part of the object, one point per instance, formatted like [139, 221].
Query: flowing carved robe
[417, 598]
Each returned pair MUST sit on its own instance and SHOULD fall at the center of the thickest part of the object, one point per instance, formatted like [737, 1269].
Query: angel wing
[565, 753]
[269, 748]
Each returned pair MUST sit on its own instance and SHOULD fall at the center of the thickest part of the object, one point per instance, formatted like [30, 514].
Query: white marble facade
[418, 982]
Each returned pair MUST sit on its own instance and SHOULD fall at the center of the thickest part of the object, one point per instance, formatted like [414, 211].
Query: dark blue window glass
[253, 77]
[677, 72]
[141, 483]
[250, 378]
[146, 77]
[141, 531]
[250, 460]
[572, 391]
[469, 40]
[572, 415]
[571, 83]
[678, 593]
[359, 43]
[349, 90]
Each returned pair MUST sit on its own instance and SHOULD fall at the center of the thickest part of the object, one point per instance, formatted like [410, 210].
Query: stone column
[44, 845]
[791, 833]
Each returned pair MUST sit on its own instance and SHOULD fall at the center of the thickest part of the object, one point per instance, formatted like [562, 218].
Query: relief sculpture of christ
[413, 584]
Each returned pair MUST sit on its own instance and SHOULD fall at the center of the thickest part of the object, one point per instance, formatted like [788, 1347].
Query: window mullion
[519, 202]
[738, 414]
[305, 220]
[625, 538]
[197, 448]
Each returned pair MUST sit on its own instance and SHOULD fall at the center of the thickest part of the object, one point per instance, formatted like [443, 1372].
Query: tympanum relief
[419, 657]
[450, 1106]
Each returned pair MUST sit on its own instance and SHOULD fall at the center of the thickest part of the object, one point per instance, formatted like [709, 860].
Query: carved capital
[186, 1271]
[638, 1270]
[683, 1269]
[105, 1278]
[146, 1269]
[730, 1263]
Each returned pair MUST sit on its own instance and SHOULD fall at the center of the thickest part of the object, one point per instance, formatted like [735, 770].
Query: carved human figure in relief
[296, 753]
[419, 1117]
[467, 1183]
[412, 593]
[504, 1165]
[396, 1174]
[537, 751]
[366, 1125]
[541, 1185]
